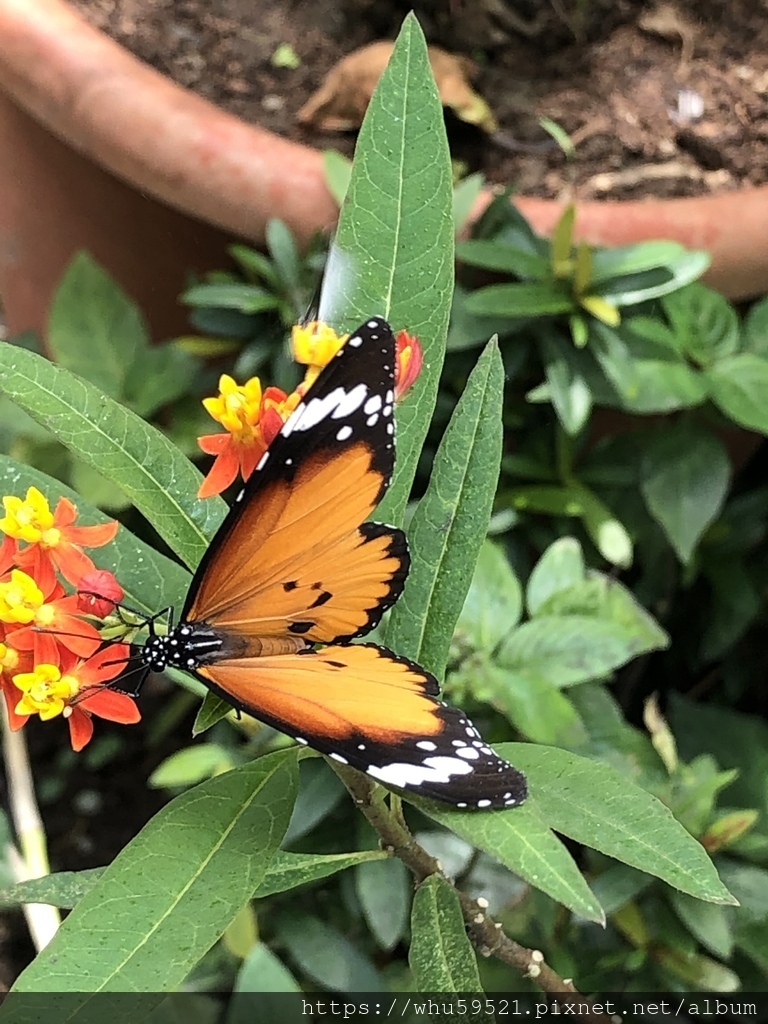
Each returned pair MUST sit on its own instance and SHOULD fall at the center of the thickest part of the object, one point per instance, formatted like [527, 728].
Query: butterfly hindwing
[368, 708]
[295, 554]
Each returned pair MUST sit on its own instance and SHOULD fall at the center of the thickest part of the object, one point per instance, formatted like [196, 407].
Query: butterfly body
[297, 564]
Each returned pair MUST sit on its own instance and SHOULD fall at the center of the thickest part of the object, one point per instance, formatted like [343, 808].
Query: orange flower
[408, 362]
[53, 541]
[77, 689]
[252, 419]
[40, 621]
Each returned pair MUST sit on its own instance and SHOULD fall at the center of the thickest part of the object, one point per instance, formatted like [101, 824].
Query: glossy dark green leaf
[289, 870]
[384, 889]
[245, 298]
[539, 298]
[497, 256]
[63, 889]
[739, 386]
[327, 956]
[705, 323]
[568, 389]
[685, 477]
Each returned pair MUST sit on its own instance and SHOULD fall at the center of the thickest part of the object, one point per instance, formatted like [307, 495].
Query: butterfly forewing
[293, 555]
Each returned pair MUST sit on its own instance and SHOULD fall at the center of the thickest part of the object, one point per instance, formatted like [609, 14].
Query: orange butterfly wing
[299, 562]
[368, 708]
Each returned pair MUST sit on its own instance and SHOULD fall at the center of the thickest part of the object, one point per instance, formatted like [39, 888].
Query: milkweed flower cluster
[52, 658]
[253, 417]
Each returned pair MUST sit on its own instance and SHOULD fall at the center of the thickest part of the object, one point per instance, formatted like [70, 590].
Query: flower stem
[32, 860]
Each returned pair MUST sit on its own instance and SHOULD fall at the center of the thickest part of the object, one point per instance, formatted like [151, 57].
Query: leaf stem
[486, 934]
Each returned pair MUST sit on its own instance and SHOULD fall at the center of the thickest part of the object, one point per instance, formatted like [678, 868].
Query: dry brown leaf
[341, 101]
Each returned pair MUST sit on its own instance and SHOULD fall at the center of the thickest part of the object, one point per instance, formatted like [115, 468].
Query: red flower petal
[221, 474]
[72, 562]
[111, 705]
[80, 728]
[91, 536]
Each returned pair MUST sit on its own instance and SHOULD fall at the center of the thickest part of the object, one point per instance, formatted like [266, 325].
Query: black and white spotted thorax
[185, 647]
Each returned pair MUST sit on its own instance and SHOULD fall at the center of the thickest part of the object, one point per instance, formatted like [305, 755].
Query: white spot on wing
[373, 404]
[344, 433]
[469, 753]
[426, 745]
[355, 341]
[433, 769]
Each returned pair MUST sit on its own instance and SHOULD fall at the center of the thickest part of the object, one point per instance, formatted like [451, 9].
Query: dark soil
[616, 78]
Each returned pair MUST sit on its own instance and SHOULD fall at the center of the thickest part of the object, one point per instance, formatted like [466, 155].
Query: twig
[32, 860]
[485, 933]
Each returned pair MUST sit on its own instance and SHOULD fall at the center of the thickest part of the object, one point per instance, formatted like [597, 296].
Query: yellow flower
[20, 598]
[30, 519]
[236, 407]
[9, 659]
[46, 691]
[315, 344]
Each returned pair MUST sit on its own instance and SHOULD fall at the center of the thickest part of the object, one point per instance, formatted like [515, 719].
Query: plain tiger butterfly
[297, 564]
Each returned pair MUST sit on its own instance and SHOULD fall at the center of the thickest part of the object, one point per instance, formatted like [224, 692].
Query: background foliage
[589, 579]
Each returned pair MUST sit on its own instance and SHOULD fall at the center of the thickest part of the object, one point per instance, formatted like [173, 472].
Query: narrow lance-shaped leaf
[393, 253]
[597, 806]
[521, 840]
[441, 956]
[173, 889]
[451, 521]
[136, 457]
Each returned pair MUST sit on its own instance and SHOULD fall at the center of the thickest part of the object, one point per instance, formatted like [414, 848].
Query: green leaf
[321, 790]
[384, 890]
[493, 604]
[530, 702]
[393, 252]
[282, 248]
[662, 385]
[289, 870]
[191, 765]
[150, 580]
[685, 476]
[327, 956]
[755, 329]
[63, 889]
[739, 386]
[163, 374]
[705, 324]
[451, 520]
[198, 860]
[597, 806]
[561, 566]
[464, 195]
[499, 256]
[441, 956]
[708, 922]
[94, 329]
[260, 990]
[337, 170]
[608, 534]
[159, 480]
[246, 298]
[520, 839]
[538, 298]
[570, 649]
[568, 388]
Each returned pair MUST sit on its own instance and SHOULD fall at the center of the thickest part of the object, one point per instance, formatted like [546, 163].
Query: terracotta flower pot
[99, 151]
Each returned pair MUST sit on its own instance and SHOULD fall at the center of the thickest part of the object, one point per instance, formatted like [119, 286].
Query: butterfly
[297, 564]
